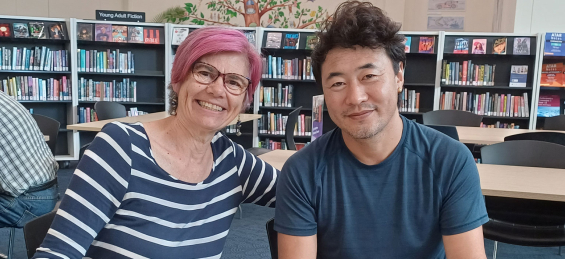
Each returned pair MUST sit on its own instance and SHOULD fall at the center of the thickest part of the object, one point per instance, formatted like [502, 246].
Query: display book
[105, 61]
[276, 96]
[479, 46]
[549, 105]
[488, 104]
[34, 30]
[118, 33]
[33, 59]
[115, 90]
[36, 89]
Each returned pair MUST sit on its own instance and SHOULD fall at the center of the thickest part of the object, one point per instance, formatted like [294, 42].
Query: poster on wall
[451, 23]
[317, 116]
[446, 5]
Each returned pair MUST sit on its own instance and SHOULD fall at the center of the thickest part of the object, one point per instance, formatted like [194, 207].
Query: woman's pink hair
[211, 40]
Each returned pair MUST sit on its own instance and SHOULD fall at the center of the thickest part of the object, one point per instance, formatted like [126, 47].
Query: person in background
[170, 188]
[28, 170]
[379, 185]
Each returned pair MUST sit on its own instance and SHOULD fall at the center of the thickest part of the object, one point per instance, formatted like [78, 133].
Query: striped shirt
[25, 159]
[121, 204]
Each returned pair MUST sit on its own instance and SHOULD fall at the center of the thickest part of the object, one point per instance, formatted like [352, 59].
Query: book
[317, 116]
[273, 40]
[311, 41]
[37, 30]
[135, 34]
[152, 35]
[549, 105]
[407, 42]
[250, 35]
[552, 74]
[56, 31]
[461, 46]
[20, 30]
[489, 104]
[103, 32]
[479, 46]
[5, 30]
[426, 45]
[119, 33]
[521, 46]
[179, 34]
[84, 31]
[291, 40]
[518, 76]
[499, 46]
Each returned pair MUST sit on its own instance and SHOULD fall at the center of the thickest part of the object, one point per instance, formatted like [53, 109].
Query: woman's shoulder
[124, 132]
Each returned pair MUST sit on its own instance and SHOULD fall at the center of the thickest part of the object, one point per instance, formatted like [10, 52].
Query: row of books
[277, 67]
[276, 96]
[409, 101]
[521, 46]
[36, 30]
[108, 61]
[505, 105]
[500, 125]
[274, 145]
[37, 89]
[272, 123]
[467, 73]
[87, 114]
[35, 58]
[116, 91]
[231, 129]
[291, 40]
[118, 33]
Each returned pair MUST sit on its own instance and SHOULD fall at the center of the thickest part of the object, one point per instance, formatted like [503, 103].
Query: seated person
[379, 185]
[170, 188]
[28, 170]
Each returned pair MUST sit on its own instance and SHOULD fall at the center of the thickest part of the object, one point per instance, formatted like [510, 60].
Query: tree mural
[280, 13]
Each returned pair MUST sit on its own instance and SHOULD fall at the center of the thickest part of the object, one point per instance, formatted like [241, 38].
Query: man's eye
[369, 76]
[337, 84]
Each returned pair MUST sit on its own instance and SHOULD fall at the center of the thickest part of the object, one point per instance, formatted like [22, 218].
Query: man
[379, 185]
[28, 187]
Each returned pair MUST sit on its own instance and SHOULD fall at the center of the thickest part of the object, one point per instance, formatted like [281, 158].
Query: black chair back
[524, 153]
[50, 128]
[109, 110]
[450, 131]
[452, 118]
[36, 230]
[289, 128]
[551, 137]
[272, 236]
[554, 123]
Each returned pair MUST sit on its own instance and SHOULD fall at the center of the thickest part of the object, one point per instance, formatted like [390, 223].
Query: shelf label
[123, 16]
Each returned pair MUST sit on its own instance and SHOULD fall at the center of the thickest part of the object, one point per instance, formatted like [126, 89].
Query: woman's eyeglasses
[205, 73]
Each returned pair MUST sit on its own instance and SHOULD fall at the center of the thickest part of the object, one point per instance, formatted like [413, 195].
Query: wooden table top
[486, 136]
[496, 180]
[97, 125]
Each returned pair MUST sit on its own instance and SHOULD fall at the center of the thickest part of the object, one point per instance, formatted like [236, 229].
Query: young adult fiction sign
[122, 16]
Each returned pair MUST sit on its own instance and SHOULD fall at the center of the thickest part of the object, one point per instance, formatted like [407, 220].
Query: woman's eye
[204, 73]
[234, 83]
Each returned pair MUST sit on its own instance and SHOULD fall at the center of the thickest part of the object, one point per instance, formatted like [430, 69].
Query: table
[496, 180]
[97, 125]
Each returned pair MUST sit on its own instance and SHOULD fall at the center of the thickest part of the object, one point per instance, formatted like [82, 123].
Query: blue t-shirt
[428, 187]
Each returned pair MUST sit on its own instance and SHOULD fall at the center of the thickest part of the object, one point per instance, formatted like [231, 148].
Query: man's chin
[361, 134]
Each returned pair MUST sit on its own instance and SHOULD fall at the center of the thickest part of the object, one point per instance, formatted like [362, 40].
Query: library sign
[122, 16]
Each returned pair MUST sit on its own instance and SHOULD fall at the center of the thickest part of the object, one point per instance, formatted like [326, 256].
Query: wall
[533, 16]
[479, 14]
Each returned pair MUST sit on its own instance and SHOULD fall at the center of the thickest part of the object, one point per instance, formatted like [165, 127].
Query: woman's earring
[238, 126]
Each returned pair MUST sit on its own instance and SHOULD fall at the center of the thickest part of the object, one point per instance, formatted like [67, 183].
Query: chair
[452, 118]
[551, 137]
[554, 123]
[521, 221]
[49, 127]
[109, 110]
[289, 128]
[36, 230]
[272, 236]
[450, 131]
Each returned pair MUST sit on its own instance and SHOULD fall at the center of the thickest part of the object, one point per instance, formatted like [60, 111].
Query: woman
[170, 188]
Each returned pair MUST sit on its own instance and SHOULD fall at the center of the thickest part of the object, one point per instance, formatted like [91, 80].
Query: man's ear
[400, 76]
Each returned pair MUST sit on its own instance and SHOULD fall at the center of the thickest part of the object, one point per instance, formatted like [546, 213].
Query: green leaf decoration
[281, 13]
[201, 15]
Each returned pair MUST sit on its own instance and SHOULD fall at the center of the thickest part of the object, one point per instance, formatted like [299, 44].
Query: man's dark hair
[362, 24]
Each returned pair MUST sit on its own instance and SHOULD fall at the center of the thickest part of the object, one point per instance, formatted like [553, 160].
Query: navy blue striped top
[121, 204]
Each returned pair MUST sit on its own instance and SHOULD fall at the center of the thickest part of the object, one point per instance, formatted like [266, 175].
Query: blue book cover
[407, 43]
[291, 40]
[461, 46]
[554, 44]
[270, 74]
[518, 76]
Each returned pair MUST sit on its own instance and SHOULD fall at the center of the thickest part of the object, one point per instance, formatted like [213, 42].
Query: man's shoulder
[314, 155]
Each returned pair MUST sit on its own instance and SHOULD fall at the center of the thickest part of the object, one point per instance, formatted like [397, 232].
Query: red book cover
[151, 36]
[552, 74]
[5, 30]
[464, 77]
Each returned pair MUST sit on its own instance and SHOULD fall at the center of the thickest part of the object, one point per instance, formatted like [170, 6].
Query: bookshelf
[481, 83]
[247, 129]
[131, 73]
[39, 87]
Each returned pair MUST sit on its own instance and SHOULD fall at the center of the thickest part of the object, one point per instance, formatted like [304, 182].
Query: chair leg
[11, 242]
[240, 212]
[494, 250]
[560, 250]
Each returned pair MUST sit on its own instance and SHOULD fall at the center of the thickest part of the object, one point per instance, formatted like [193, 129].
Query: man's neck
[376, 149]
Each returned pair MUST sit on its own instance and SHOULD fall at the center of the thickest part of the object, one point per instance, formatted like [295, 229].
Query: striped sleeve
[96, 189]
[259, 179]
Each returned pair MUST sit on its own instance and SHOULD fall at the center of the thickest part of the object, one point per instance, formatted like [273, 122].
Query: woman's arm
[259, 179]
[94, 194]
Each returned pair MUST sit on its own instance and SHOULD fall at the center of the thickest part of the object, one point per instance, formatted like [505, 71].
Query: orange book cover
[417, 102]
[552, 74]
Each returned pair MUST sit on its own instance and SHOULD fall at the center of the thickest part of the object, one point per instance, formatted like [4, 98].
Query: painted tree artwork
[265, 13]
